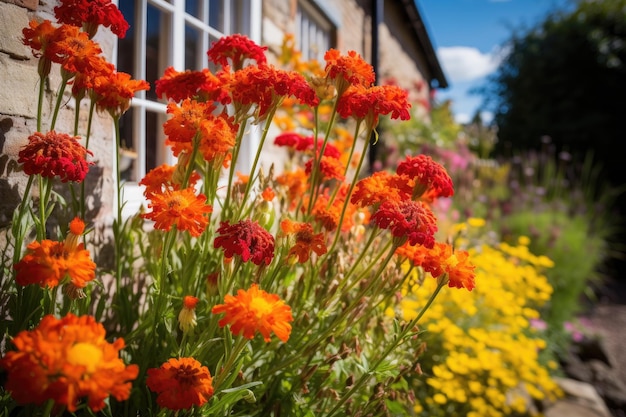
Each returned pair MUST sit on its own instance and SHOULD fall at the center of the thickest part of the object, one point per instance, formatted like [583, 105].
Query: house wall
[19, 83]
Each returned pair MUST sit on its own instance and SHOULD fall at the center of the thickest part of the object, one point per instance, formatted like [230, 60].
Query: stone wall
[18, 112]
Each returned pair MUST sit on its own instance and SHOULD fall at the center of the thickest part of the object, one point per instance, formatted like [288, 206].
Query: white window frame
[140, 105]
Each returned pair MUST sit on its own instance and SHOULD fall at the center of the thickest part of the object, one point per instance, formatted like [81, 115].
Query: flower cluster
[249, 293]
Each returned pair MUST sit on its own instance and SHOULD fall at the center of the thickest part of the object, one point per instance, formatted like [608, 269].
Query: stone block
[29, 4]
[14, 19]
[19, 96]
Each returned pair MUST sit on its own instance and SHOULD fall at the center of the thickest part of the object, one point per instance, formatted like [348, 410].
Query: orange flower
[187, 316]
[113, 92]
[55, 154]
[306, 240]
[380, 186]
[268, 194]
[49, 263]
[66, 360]
[181, 208]
[329, 215]
[254, 311]
[329, 167]
[215, 134]
[162, 178]
[236, 48]
[346, 70]
[296, 184]
[75, 51]
[181, 383]
[443, 259]
[90, 14]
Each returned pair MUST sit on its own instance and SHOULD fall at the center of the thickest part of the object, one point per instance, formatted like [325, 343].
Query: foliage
[563, 78]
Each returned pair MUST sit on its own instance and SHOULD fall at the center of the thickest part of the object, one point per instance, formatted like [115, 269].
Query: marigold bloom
[236, 48]
[49, 263]
[346, 70]
[331, 168]
[66, 360]
[77, 227]
[443, 259]
[187, 316]
[299, 142]
[268, 194]
[295, 183]
[380, 186]
[246, 239]
[38, 35]
[55, 154]
[407, 220]
[264, 86]
[329, 215]
[306, 240]
[193, 119]
[113, 92]
[74, 50]
[181, 208]
[181, 383]
[370, 103]
[428, 175]
[90, 14]
[161, 178]
[177, 86]
[255, 311]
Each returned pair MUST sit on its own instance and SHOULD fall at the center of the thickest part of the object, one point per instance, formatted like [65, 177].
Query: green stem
[92, 106]
[233, 162]
[117, 231]
[232, 357]
[65, 77]
[408, 328]
[266, 129]
[47, 411]
[18, 233]
[42, 84]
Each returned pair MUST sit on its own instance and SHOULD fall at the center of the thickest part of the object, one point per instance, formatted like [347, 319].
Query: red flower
[66, 360]
[178, 86]
[246, 239]
[429, 176]
[254, 311]
[305, 143]
[181, 208]
[370, 103]
[306, 240]
[74, 50]
[181, 383]
[90, 14]
[264, 86]
[236, 48]
[407, 220]
[55, 154]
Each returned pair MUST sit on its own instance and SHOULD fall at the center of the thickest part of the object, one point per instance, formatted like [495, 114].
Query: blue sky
[467, 35]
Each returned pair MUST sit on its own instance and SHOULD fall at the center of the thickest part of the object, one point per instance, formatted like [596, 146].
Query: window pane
[127, 164]
[192, 8]
[216, 15]
[193, 57]
[126, 56]
[156, 53]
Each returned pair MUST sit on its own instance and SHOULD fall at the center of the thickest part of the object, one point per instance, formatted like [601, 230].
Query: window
[166, 33]
[314, 30]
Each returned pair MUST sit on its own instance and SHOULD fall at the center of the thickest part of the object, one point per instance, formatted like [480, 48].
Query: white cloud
[464, 63]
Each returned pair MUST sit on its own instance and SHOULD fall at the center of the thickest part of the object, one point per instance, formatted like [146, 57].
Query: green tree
[565, 78]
